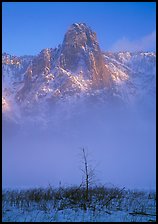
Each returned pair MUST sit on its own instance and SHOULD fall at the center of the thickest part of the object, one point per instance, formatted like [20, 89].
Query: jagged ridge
[77, 67]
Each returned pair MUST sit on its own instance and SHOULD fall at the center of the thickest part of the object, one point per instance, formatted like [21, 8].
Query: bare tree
[88, 172]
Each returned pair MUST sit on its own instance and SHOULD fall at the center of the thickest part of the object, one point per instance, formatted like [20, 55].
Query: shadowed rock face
[42, 63]
[80, 52]
[36, 72]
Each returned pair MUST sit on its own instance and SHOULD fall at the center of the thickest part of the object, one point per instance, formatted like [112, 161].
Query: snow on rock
[77, 68]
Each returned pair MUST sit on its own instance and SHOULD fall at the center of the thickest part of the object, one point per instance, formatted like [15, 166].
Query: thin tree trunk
[86, 175]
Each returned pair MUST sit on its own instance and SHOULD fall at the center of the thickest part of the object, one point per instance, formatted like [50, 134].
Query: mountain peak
[80, 53]
[80, 26]
[77, 66]
[80, 35]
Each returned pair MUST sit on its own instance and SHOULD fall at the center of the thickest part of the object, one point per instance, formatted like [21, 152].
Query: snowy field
[69, 204]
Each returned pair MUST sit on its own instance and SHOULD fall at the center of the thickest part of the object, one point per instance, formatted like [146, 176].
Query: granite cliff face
[81, 54]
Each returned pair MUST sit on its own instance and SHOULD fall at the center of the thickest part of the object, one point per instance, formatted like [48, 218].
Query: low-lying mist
[121, 146]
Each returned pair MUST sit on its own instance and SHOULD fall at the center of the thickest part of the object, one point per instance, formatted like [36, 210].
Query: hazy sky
[27, 28]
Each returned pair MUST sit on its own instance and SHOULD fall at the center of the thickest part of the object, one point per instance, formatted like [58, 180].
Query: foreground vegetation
[72, 204]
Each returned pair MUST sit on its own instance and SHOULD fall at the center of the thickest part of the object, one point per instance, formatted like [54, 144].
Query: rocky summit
[81, 54]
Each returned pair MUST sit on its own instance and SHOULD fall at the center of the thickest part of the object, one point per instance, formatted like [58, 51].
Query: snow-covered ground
[57, 206]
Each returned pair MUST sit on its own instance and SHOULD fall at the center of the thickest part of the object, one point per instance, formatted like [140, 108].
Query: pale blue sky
[28, 27]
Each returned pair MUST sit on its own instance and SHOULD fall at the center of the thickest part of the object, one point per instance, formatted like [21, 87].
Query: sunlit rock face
[81, 54]
[5, 105]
